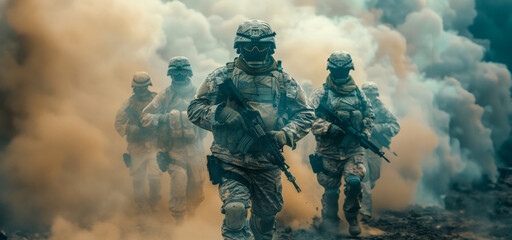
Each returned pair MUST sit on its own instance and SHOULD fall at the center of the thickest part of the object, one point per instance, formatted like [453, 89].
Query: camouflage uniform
[181, 140]
[385, 127]
[342, 155]
[140, 144]
[276, 96]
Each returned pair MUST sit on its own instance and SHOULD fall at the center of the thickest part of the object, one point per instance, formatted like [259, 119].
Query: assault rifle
[348, 129]
[256, 132]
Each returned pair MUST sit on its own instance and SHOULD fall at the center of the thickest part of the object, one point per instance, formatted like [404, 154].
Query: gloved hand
[334, 130]
[230, 117]
[366, 133]
[378, 128]
[132, 129]
[279, 137]
[163, 118]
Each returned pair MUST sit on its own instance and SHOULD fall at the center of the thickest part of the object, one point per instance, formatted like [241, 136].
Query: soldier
[338, 154]
[250, 179]
[385, 127]
[179, 141]
[141, 153]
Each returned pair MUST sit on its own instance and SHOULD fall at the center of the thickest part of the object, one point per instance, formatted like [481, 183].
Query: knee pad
[236, 215]
[353, 185]
[263, 224]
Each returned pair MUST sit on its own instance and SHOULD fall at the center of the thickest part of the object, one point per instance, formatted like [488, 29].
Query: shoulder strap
[282, 88]
[326, 95]
[360, 97]
[230, 67]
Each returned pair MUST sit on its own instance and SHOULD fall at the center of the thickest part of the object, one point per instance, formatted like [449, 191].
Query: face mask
[140, 91]
[339, 75]
[255, 53]
[180, 77]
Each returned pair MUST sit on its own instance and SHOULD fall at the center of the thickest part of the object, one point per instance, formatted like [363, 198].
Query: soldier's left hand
[279, 137]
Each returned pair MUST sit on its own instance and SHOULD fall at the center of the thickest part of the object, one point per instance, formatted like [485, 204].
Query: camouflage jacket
[129, 114]
[385, 125]
[268, 90]
[353, 107]
[167, 113]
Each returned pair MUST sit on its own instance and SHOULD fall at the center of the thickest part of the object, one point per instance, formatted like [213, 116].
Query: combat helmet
[255, 31]
[179, 63]
[141, 79]
[370, 89]
[340, 59]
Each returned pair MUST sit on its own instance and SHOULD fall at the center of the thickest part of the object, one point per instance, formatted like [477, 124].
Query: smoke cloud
[67, 65]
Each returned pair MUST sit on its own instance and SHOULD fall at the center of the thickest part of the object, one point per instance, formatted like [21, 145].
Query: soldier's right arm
[320, 126]
[202, 109]
[121, 121]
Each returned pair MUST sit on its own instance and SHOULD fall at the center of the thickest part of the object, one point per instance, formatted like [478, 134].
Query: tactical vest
[348, 107]
[179, 131]
[135, 106]
[264, 93]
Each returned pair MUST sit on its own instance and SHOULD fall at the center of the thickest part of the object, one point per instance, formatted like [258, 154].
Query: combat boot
[353, 224]
[330, 220]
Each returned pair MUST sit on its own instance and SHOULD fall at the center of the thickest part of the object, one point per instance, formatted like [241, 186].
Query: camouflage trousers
[144, 166]
[263, 196]
[335, 169]
[372, 164]
[187, 180]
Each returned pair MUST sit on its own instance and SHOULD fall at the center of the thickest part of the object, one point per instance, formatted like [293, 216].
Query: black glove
[279, 137]
[230, 117]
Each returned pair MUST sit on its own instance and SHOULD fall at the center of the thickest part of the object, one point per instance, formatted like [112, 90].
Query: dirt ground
[471, 212]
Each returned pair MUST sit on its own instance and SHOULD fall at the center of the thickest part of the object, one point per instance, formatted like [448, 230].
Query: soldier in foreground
[179, 141]
[385, 127]
[241, 160]
[141, 152]
[339, 154]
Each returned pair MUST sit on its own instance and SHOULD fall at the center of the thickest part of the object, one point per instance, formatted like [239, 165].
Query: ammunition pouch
[127, 158]
[216, 172]
[180, 126]
[318, 166]
[316, 163]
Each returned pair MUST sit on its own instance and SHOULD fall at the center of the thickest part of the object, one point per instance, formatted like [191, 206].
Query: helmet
[255, 31]
[340, 59]
[177, 64]
[370, 89]
[141, 79]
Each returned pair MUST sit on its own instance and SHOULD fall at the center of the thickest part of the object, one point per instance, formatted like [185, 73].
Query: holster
[127, 158]
[318, 166]
[214, 169]
[316, 163]
[163, 159]
[216, 172]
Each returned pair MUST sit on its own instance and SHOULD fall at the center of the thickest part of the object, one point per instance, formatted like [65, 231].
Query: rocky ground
[474, 212]
[471, 212]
